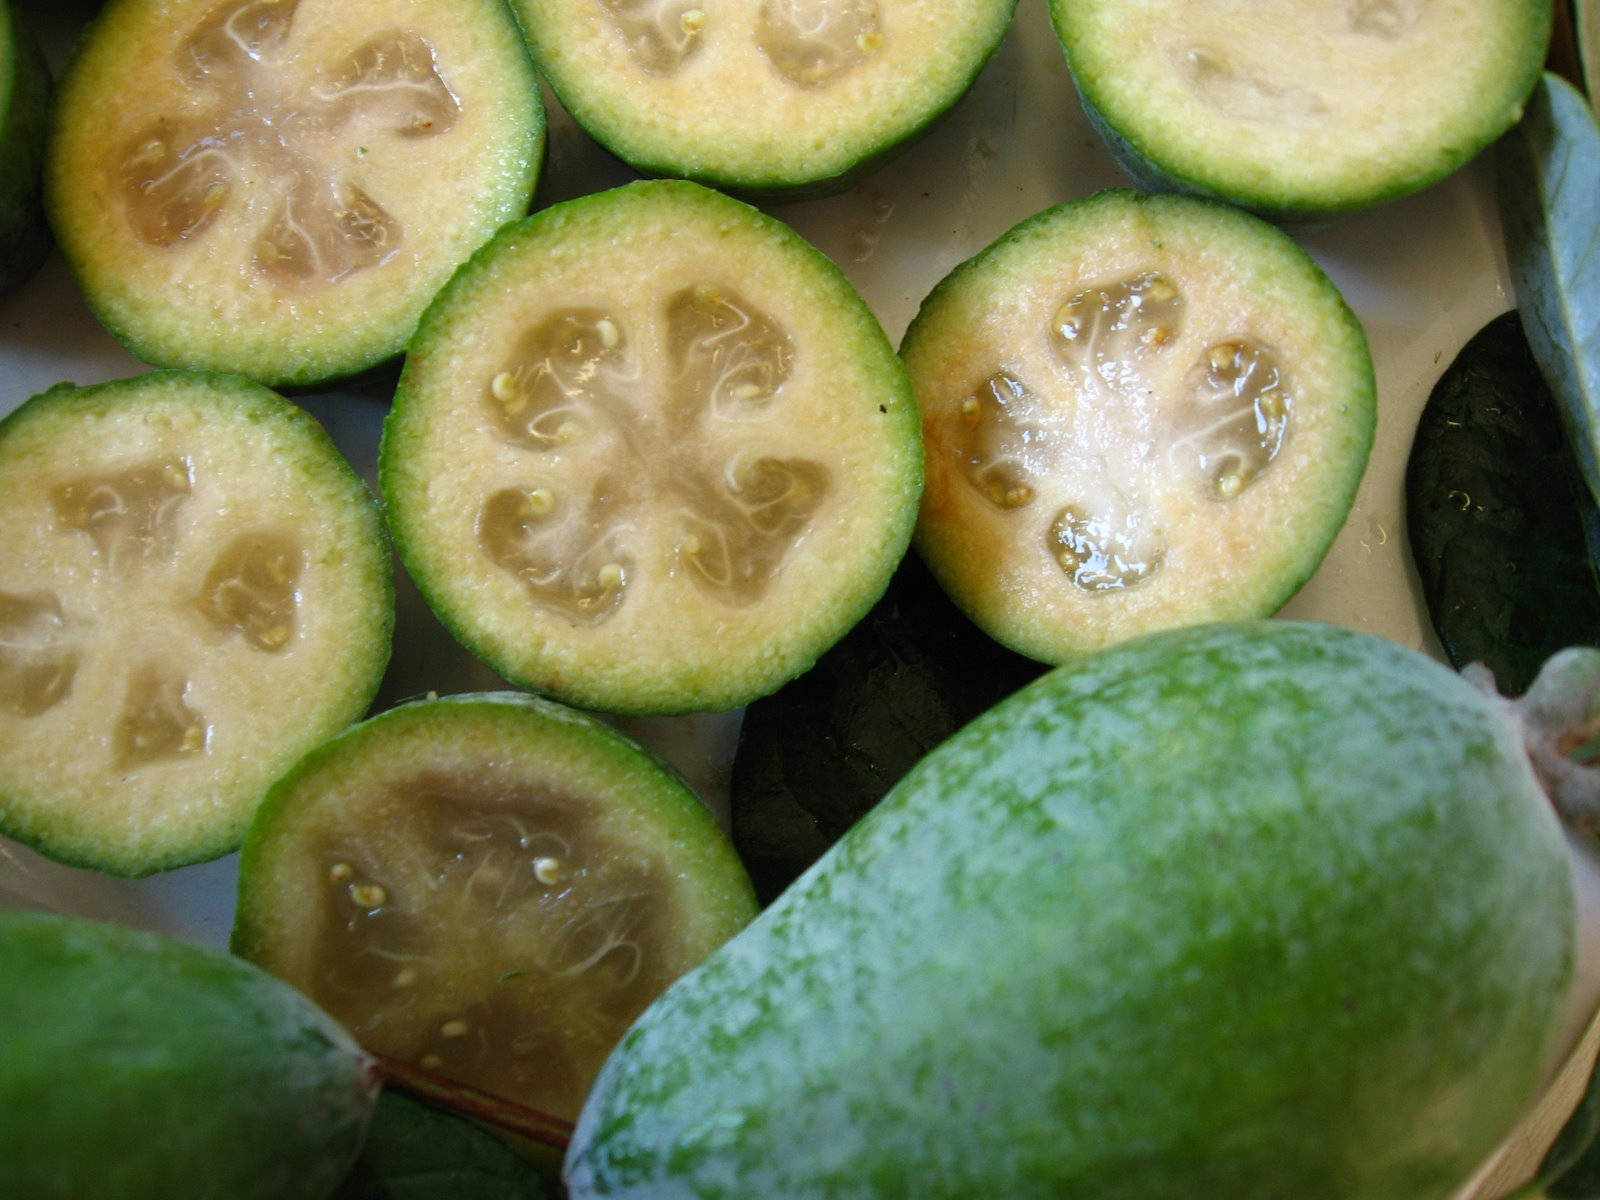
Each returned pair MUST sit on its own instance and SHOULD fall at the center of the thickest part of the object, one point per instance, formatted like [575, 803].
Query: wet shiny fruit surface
[276, 187]
[488, 887]
[1138, 412]
[651, 453]
[195, 591]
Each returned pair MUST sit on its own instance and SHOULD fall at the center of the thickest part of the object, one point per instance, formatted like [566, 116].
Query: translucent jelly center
[573, 390]
[811, 42]
[1244, 92]
[491, 933]
[130, 515]
[253, 588]
[1106, 547]
[37, 657]
[661, 34]
[1104, 433]
[250, 129]
[157, 723]
[1238, 417]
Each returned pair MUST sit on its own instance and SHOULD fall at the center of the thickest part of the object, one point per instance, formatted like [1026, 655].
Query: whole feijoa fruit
[277, 188]
[651, 452]
[1253, 911]
[1139, 412]
[194, 591]
[487, 887]
[137, 1067]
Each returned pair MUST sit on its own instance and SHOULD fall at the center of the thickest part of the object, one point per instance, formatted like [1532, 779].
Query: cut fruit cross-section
[1139, 412]
[778, 97]
[277, 187]
[195, 592]
[488, 887]
[651, 453]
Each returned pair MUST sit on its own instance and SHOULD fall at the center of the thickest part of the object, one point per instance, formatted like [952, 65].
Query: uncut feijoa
[194, 591]
[137, 1067]
[278, 188]
[489, 887]
[761, 96]
[24, 114]
[1301, 111]
[651, 452]
[1251, 911]
[1139, 412]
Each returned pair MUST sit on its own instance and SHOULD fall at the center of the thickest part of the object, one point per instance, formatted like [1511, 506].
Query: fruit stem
[1559, 717]
[479, 1105]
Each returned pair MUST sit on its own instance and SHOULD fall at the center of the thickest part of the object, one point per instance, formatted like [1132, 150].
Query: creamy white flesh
[1309, 104]
[191, 599]
[1146, 425]
[651, 460]
[284, 172]
[492, 909]
[759, 90]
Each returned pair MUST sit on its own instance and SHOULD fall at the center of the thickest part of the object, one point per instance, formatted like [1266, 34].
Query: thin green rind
[656, 696]
[751, 181]
[1247, 911]
[1273, 589]
[672, 814]
[137, 1067]
[65, 400]
[1548, 176]
[24, 118]
[300, 367]
[1271, 197]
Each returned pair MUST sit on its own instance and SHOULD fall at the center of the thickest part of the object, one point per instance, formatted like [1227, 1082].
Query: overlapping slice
[651, 453]
[194, 591]
[488, 887]
[760, 95]
[277, 187]
[1139, 412]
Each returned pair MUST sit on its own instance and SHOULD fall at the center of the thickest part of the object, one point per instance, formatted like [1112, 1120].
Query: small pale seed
[609, 576]
[340, 872]
[540, 502]
[546, 870]
[1230, 484]
[610, 335]
[503, 387]
[693, 20]
[454, 1029]
[369, 895]
[407, 977]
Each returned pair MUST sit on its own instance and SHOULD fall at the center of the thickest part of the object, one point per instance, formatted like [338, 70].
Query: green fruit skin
[134, 1066]
[24, 115]
[1247, 911]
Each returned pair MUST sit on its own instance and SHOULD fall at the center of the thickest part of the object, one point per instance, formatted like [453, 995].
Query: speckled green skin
[1259, 912]
[135, 1066]
[24, 114]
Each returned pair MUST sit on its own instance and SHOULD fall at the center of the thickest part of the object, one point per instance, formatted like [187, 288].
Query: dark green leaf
[1493, 511]
[817, 755]
[1549, 180]
[416, 1152]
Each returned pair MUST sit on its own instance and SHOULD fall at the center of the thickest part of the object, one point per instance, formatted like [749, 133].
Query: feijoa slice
[488, 886]
[1139, 412]
[761, 96]
[24, 108]
[651, 452]
[194, 591]
[278, 187]
[1302, 110]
